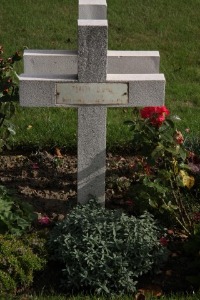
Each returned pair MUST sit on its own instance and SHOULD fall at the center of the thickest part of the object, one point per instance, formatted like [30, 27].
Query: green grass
[173, 297]
[59, 127]
[171, 27]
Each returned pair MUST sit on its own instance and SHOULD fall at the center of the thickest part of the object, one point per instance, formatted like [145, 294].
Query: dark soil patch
[49, 181]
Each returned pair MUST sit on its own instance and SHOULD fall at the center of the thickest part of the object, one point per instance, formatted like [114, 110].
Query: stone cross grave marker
[91, 79]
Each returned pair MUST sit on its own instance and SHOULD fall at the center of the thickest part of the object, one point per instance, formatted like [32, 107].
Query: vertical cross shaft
[92, 67]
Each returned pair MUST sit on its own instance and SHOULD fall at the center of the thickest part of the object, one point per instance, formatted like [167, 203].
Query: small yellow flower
[29, 127]
[175, 166]
[187, 180]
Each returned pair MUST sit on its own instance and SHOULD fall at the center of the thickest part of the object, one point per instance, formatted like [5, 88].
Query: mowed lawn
[171, 27]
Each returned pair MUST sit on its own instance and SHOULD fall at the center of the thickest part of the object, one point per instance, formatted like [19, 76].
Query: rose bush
[162, 176]
[8, 95]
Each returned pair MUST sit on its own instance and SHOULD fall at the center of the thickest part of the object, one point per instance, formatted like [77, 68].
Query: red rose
[44, 220]
[163, 241]
[155, 114]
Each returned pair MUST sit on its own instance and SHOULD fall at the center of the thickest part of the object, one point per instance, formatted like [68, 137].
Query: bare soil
[49, 180]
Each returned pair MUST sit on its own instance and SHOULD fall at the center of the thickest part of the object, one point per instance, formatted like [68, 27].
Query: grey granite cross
[91, 79]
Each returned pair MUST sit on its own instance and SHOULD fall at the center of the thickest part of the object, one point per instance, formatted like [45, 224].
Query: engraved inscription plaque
[91, 93]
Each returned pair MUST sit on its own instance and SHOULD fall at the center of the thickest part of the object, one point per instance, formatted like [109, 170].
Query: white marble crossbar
[144, 89]
[61, 62]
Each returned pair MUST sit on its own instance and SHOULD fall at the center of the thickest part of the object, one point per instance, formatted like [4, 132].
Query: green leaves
[18, 261]
[8, 94]
[15, 215]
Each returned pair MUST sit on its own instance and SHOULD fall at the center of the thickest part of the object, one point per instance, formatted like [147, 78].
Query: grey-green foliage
[105, 251]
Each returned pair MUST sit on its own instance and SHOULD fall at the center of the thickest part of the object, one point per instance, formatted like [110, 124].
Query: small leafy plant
[8, 94]
[104, 251]
[15, 216]
[164, 178]
[19, 259]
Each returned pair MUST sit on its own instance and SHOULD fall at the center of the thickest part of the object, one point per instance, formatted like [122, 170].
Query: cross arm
[62, 62]
[142, 89]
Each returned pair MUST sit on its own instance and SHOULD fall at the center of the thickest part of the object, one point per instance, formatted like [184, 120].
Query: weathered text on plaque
[91, 93]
